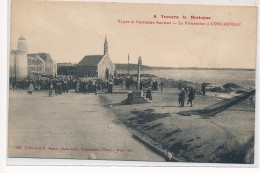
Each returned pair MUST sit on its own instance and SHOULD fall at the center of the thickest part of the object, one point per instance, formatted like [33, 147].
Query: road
[71, 125]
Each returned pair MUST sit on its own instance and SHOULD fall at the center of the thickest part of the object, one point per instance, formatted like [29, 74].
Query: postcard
[132, 82]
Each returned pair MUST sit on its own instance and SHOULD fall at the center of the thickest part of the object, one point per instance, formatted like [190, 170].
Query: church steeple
[105, 46]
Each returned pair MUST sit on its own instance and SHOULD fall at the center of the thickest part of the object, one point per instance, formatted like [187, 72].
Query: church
[100, 66]
[24, 65]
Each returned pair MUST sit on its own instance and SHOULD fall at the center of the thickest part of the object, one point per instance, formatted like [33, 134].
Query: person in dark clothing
[110, 86]
[60, 88]
[149, 94]
[191, 96]
[130, 98]
[55, 87]
[65, 86]
[81, 87]
[203, 88]
[182, 98]
[84, 87]
[103, 85]
[88, 88]
[91, 87]
[155, 85]
[95, 87]
[162, 84]
[107, 85]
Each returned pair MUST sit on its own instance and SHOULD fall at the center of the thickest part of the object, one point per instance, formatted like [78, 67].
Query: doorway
[107, 73]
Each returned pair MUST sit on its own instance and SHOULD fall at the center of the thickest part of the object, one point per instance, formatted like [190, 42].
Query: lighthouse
[20, 60]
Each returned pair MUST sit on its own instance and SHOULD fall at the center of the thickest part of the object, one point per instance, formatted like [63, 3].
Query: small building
[36, 66]
[100, 66]
[41, 64]
[24, 65]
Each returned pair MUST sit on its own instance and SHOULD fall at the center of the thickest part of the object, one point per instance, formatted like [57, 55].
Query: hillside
[145, 67]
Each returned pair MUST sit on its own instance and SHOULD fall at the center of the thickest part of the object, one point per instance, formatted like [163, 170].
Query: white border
[4, 47]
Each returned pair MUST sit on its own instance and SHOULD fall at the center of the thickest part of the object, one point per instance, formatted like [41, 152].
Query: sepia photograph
[132, 82]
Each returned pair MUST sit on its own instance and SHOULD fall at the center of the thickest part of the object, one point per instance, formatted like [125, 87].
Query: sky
[71, 30]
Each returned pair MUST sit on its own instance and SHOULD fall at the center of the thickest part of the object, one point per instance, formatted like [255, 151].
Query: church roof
[90, 60]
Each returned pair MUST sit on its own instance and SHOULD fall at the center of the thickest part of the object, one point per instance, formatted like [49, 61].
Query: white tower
[20, 61]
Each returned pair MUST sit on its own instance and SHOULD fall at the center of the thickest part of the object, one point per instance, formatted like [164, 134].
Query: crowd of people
[59, 85]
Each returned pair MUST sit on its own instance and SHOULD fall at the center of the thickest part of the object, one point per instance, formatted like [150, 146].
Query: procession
[58, 85]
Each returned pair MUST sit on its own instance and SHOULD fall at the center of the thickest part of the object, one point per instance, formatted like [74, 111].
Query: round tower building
[21, 62]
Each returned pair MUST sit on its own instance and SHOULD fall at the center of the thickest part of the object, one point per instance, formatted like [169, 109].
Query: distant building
[66, 64]
[100, 66]
[24, 65]
[66, 68]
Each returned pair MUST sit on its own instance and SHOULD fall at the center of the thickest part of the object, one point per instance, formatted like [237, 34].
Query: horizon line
[224, 68]
[192, 67]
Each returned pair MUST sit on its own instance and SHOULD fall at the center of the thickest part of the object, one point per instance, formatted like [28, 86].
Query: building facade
[24, 65]
[50, 64]
[100, 66]
[36, 66]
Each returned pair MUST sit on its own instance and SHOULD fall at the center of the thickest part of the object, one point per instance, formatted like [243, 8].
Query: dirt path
[68, 126]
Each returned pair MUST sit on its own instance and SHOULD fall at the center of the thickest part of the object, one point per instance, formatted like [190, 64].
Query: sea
[243, 78]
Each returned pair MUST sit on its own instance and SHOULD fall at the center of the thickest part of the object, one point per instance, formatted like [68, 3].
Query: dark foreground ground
[227, 137]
